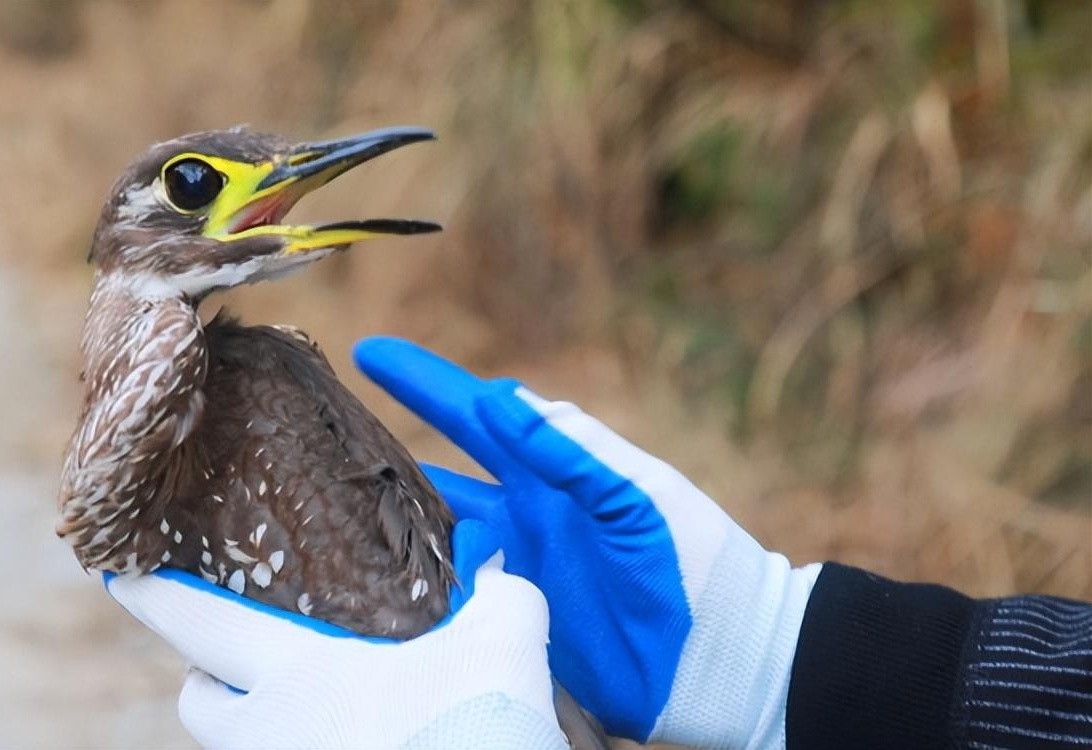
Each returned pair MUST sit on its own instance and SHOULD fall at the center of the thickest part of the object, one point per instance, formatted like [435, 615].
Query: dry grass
[831, 259]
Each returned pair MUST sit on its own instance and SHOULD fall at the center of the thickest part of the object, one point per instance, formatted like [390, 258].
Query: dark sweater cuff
[878, 664]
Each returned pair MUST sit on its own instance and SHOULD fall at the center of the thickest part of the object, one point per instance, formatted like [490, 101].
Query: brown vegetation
[832, 259]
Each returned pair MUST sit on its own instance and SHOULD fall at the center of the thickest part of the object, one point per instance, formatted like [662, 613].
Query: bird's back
[301, 498]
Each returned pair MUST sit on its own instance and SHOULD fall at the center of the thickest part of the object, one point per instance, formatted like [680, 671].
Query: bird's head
[202, 212]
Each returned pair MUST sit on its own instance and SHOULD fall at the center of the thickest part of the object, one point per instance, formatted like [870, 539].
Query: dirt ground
[869, 342]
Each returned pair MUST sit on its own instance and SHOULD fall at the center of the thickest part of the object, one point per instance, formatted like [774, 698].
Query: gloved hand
[667, 621]
[478, 679]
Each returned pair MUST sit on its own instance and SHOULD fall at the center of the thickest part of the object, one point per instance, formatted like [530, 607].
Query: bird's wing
[336, 492]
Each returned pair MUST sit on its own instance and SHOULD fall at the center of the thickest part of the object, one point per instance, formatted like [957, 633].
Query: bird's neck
[144, 368]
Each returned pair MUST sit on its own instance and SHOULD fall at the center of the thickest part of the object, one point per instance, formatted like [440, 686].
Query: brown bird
[234, 452]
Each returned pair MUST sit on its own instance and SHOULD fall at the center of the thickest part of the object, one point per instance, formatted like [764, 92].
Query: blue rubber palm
[587, 536]
[667, 620]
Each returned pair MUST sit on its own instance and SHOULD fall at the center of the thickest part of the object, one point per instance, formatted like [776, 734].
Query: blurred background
[831, 258]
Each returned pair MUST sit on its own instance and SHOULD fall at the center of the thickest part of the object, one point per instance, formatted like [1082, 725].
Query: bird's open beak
[255, 197]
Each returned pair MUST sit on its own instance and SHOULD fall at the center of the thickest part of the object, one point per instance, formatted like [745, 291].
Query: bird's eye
[192, 184]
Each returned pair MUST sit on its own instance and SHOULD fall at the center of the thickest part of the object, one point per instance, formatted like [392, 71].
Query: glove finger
[506, 604]
[467, 496]
[473, 544]
[209, 709]
[575, 453]
[642, 500]
[438, 391]
[214, 629]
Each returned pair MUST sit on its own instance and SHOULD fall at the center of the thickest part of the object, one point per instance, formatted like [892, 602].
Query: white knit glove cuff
[732, 683]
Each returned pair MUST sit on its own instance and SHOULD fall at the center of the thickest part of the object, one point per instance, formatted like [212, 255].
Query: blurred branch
[774, 28]
[845, 283]
[840, 221]
[991, 47]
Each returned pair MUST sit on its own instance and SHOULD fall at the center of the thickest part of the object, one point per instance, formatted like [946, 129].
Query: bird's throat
[144, 368]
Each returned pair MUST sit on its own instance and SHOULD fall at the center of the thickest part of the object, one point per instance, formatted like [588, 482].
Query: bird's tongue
[263, 213]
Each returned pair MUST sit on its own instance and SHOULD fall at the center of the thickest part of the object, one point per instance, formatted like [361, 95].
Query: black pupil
[192, 184]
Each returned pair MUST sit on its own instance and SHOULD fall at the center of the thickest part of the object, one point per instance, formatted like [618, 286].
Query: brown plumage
[233, 452]
[283, 409]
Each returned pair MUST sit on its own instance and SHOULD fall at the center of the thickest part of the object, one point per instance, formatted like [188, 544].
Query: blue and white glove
[478, 679]
[667, 620]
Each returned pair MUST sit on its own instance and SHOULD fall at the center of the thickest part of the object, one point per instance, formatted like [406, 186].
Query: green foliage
[736, 199]
[698, 182]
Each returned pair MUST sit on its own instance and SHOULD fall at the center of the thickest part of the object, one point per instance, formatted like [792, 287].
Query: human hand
[268, 678]
[668, 621]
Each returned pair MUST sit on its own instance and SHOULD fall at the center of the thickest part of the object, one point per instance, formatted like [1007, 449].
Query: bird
[233, 451]
[229, 451]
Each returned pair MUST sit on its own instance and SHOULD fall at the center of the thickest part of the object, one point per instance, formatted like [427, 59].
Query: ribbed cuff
[878, 664]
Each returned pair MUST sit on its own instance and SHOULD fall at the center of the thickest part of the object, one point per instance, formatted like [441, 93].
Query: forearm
[894, 665]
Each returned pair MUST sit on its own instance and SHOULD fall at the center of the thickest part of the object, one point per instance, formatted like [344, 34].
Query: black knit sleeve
[881, 664]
